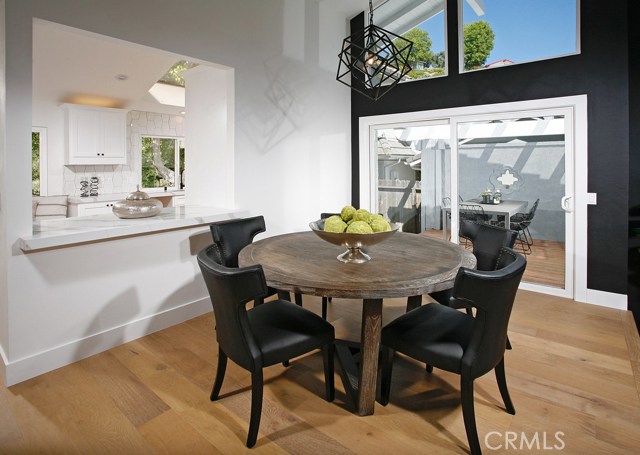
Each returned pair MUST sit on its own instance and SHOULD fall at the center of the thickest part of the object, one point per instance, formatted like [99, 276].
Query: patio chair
[520, 223]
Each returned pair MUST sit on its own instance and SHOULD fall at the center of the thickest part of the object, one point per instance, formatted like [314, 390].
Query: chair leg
[522, 241]
[222, 367]
[386, 371]
[429, 368]
[527, 235]
[502, 385]
[469, 415]
[298, 299]
[324, 307]
[256, 407]
[327, 360]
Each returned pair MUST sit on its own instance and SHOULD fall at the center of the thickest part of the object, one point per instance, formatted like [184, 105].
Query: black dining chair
[520, 223]
[231, 236]
[457, 342]
[262, 336]
[487, 241]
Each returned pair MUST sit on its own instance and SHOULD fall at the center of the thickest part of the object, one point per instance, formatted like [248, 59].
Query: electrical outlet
[592, 198]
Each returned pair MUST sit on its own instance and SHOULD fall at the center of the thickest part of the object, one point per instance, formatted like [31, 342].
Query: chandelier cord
[370, 12]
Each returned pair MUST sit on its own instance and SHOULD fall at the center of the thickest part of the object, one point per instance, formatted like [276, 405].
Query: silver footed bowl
[137, 205]
[353, 242]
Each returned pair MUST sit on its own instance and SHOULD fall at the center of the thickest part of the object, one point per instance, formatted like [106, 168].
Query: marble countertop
[69, 231]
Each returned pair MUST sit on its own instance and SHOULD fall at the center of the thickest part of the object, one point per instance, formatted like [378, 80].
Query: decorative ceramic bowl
[353, 242]
[137, 205]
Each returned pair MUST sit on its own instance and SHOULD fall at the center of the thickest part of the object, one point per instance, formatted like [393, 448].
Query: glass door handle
[566, 205]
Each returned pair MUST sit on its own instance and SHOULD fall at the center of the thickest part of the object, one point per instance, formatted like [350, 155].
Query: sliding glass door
[422, 171]
[523, 160]
[413, 164]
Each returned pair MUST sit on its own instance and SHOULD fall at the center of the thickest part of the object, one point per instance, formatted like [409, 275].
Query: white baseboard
[29, 367]
[607, 299]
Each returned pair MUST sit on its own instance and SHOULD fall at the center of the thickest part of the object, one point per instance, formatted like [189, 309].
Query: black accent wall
[601, 71]
[634, 158]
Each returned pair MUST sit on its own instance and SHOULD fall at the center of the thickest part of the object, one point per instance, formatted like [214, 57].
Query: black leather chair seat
[283, 331]
[433, 332]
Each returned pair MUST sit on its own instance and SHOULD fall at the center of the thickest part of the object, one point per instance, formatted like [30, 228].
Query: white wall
[4, 254]
[209, 103]
[292, 157]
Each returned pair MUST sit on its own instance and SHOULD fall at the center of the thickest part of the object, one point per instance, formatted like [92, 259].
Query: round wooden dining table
[404, 265]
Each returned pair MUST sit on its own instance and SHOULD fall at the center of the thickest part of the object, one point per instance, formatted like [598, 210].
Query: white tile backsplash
[124, 178]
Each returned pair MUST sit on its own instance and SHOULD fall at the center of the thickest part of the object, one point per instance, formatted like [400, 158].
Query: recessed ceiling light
[122, 77]
[183, 112]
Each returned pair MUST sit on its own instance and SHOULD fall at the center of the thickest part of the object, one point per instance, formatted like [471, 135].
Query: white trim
[59, 356]
[44, 168]
[607, 299]
[577, 103]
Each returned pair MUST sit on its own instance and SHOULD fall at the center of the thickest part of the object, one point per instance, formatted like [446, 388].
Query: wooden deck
[573, 373]
[545, 264]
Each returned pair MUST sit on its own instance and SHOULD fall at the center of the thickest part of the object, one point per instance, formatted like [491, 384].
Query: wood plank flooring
[574, 369]
[545, 264]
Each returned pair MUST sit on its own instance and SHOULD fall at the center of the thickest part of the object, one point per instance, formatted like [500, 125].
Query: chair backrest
[493, 294]
[231, 236]
[473, 212]
[230, 289]
[487, 241]
[532, 212]
[525, 218]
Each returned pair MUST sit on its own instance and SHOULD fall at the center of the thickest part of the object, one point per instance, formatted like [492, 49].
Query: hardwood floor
[574, 368]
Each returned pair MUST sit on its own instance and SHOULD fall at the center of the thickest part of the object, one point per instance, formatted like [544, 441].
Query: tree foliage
[478, 44]
[438, 60]
[35, 164]
[174, 75]
[421, 51]
[158, 162]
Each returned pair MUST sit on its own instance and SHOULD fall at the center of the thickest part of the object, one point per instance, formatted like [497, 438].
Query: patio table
[507, 208]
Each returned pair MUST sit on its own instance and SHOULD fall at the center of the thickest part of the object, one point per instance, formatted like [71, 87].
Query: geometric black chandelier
[373, 60]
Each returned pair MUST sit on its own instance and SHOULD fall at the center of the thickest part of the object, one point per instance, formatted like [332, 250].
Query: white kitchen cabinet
[91, 208]
[95, 135]
[178, 201]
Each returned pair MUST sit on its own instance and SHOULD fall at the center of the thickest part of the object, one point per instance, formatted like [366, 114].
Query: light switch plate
[592, 198]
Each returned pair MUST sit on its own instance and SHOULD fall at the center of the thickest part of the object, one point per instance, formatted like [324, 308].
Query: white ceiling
[74, 66]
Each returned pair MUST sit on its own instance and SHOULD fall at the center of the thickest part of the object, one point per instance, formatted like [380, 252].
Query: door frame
[578, 131]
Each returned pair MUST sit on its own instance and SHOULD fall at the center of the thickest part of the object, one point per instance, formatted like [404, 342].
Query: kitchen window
[38, 161]
[162, 162]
